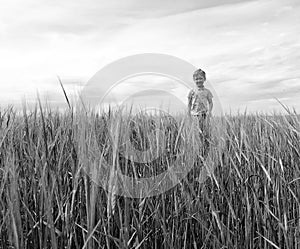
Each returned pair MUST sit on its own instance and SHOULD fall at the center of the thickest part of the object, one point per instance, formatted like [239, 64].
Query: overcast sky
[249, 49]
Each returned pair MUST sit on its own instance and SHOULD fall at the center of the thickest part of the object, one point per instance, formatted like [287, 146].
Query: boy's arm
[211, 105]
[210, 102]
[190, 102]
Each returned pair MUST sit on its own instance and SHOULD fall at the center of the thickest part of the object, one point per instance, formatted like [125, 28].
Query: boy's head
[199, 77]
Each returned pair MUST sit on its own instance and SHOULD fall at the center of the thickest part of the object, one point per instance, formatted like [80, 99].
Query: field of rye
[49, 200]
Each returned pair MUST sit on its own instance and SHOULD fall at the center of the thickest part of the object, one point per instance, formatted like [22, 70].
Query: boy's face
[199, 80]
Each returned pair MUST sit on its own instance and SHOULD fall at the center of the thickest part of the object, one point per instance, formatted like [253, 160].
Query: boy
[200, 106]
[200, 102]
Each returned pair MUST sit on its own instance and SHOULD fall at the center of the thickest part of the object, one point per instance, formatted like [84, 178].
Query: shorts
[204, 132]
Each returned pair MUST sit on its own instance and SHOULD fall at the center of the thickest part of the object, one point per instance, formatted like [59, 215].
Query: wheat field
[49, 200]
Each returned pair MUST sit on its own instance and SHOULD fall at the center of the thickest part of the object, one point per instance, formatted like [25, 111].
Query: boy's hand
[189, 115]
[189, 111]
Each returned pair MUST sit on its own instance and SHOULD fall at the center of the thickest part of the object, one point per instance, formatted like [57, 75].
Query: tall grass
[49, 199]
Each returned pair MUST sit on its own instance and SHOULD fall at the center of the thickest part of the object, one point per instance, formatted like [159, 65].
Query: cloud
[244, 46]
[32, 19]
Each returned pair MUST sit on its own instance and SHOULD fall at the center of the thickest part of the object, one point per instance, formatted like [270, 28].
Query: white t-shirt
[199, 99]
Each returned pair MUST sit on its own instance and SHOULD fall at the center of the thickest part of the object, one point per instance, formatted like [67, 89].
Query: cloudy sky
[249, 49]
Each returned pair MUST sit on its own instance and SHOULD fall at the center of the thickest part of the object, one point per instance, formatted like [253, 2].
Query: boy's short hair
[199, 73]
